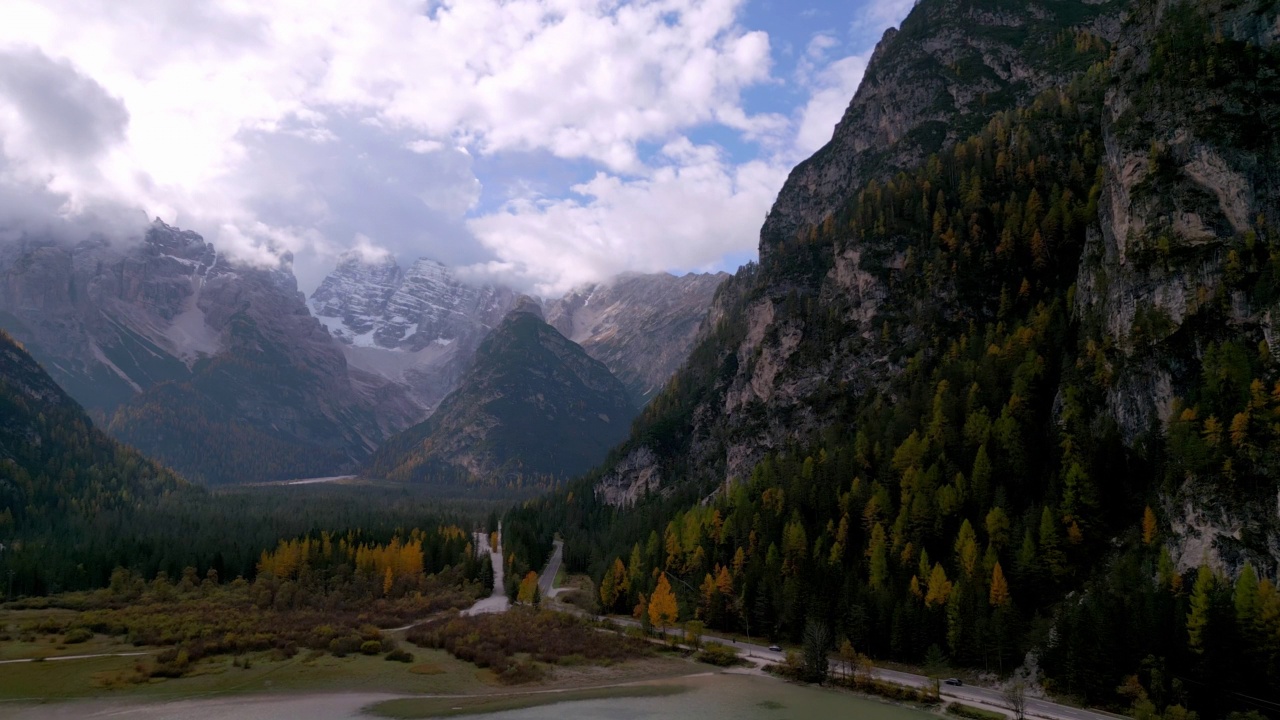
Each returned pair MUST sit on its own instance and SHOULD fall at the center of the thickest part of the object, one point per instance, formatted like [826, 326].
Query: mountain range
[226, 372]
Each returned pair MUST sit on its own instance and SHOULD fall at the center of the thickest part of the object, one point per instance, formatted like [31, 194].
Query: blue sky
[540, 143]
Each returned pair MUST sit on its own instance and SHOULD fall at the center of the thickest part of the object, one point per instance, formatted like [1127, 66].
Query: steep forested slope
[1011, 392]
[534, 407]
[54, 464]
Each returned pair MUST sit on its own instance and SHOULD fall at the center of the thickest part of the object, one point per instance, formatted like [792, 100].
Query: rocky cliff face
[1179, 262]
[533, 407]
[1173, 282]
[109, 322]
[417, 327]
[420, 327]
[935, 80]
[193, 358]
[640, 326]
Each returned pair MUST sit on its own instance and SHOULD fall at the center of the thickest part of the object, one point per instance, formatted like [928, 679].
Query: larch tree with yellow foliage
[663, 610]
[939, 587]
[528, 588]
[999, 596]
[1148, 526]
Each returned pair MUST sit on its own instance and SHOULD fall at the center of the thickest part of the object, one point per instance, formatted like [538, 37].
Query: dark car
[953, 681]
[775, 648]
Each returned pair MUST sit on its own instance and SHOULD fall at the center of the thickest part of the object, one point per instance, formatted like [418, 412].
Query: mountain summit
[534, 406]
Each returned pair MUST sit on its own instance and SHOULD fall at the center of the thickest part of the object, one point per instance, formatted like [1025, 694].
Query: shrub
[370, 647]
[719, 655]
[400, 656]
[343, 646]
[78, 635]
[494, 641]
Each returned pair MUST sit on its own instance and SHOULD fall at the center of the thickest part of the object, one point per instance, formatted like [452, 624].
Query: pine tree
[1246, 598]
[528, 588]
[608, 591]
[879, 553]
[1198, 617]
[966, 547]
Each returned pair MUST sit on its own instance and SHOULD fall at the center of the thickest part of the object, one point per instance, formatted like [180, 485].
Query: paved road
[317, 481]
[970, 693]
[496, 602]
[547, 581]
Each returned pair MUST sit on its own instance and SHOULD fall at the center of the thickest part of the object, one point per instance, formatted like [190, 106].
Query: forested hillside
[533, 409]
[1017, 394]
[54, 464]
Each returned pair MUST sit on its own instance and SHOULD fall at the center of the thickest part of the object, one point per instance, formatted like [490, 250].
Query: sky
[538, 143]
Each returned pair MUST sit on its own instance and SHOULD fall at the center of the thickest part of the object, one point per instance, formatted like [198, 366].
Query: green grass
[107, 677]
[452, 707]
[974, 713]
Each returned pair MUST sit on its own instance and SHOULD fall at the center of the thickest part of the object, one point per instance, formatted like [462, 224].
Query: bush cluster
[495, 641]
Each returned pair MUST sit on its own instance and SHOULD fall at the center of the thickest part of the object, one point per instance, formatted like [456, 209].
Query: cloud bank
[545, 142]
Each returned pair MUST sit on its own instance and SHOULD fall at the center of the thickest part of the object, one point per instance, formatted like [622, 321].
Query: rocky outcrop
[935, 80]
[417, 328]
[641, 326]
[109, 321]
[420, 327]
[1190, 185]
[1173, 262]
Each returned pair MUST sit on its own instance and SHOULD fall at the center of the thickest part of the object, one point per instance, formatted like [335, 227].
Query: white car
[775, 648]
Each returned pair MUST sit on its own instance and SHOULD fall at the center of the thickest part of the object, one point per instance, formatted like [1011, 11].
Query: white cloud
[880, 14]
[830, 91]
[686, 214]
[306, 125]
[580, 79]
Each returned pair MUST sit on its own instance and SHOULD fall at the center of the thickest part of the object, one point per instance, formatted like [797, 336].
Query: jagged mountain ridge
[420, 327]
[109, 322]
[194, 358]
[932, 81]
[533, 407]
[640, 326]
[417, 327]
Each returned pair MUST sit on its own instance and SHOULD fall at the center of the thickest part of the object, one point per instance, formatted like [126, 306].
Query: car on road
[775, 648]
[953, 681]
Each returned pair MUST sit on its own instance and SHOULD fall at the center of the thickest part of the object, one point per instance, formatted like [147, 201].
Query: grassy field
[433, 672]
[109, 677]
